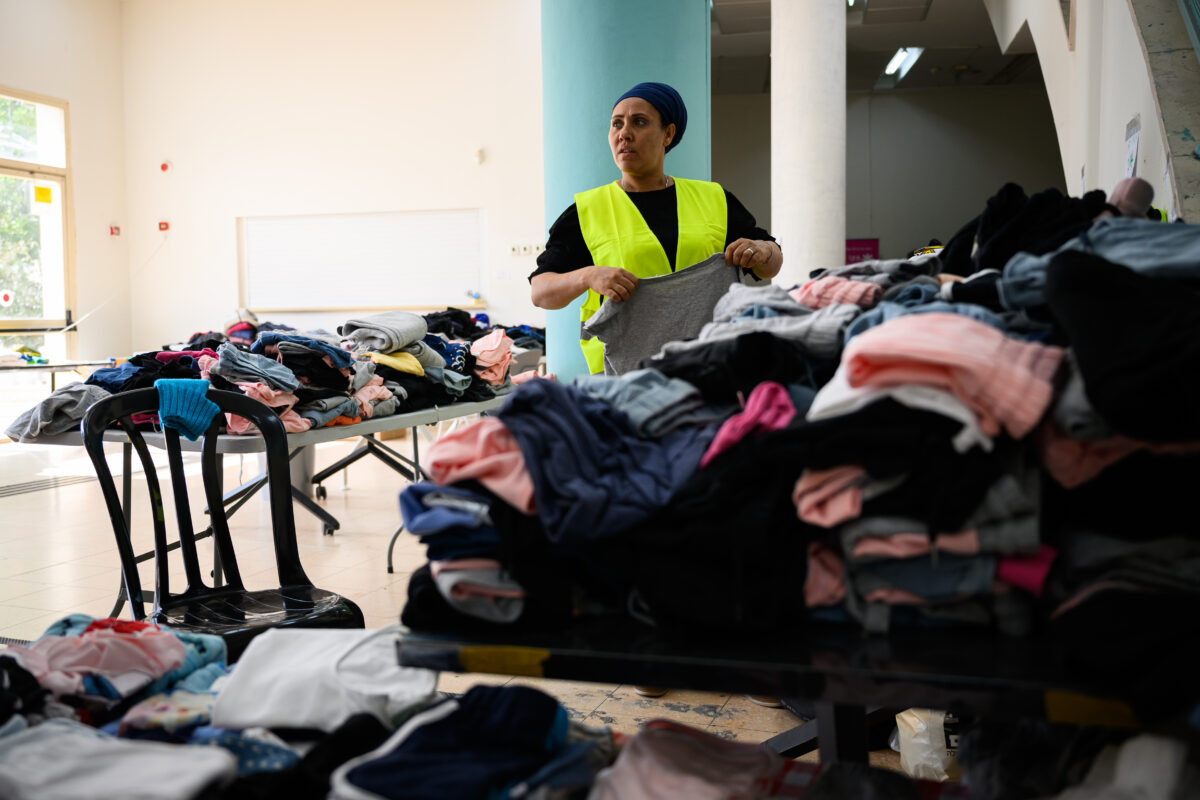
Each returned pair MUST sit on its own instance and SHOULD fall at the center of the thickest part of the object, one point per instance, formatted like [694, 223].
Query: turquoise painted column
[592, 52]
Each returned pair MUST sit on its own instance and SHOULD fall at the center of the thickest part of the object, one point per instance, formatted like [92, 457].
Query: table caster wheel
[327, 530]
[321, 493]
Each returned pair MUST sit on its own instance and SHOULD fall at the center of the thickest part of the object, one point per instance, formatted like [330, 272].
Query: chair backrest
[121, 408]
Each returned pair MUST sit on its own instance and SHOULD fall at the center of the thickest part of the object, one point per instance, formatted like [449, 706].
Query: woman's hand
[764, 257]
[613, 282]
[553, 290]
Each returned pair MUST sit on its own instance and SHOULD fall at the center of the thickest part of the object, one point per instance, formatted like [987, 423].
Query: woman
[647, 223]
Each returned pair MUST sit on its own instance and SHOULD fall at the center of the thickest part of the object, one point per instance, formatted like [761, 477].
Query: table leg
[217, 577]
[416, 454]
[842, 733]
[392, 546]
[126, 510]
[796, 741]
[127, 483]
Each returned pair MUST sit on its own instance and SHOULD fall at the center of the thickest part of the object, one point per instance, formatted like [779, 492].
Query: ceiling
[960, 46]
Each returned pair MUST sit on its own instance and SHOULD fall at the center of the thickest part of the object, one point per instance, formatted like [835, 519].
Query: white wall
[919, 164]
[305, 107]
[1094, 90]
[71, 50]
[1124, 89]
[741, 151]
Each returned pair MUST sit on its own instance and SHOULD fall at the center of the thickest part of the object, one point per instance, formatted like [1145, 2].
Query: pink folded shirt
[493, 355]
[167, 356]
[831, 290]
[829, 497]
[60, 663]
[768, 409]
[371, 392]
[487, 452]
[1006, 382]
[825, 582]
[276, 399]
[1073, 463]
[469, 589]
[909, 545]
[1027, 572]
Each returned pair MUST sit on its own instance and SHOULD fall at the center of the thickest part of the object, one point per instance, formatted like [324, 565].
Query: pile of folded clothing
[896, 443]
[379, 365]
[129, 709]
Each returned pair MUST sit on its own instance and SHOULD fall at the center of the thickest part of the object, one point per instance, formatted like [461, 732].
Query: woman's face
[637, 137]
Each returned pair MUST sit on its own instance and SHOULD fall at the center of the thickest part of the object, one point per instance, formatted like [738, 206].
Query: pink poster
[861, 250]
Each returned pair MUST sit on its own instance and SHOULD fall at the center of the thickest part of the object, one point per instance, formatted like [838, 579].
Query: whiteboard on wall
[379, 260]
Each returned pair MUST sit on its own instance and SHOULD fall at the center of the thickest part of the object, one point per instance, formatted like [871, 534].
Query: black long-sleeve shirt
[567, 251]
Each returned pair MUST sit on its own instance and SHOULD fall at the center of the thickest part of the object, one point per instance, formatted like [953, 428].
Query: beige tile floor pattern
[57, 556]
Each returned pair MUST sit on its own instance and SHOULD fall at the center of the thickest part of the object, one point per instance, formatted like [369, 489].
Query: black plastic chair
[230, 611]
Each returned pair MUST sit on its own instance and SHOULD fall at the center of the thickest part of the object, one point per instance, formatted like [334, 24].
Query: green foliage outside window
[20, 233]
[18, 129]
[20, 250]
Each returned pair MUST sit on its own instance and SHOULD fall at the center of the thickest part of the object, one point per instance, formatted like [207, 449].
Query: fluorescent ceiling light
[896, 61]
[903, 61]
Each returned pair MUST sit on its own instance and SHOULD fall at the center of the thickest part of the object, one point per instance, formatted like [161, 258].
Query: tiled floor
[57, 556]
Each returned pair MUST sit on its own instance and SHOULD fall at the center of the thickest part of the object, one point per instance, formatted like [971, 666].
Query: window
[33, 214]
[35, 256]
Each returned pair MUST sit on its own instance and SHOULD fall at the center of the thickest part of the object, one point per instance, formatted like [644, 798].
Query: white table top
[254, 444]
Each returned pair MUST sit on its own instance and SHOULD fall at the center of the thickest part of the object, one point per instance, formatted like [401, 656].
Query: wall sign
[861, 250]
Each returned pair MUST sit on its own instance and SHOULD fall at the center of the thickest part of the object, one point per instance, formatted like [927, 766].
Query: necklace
[667, 181]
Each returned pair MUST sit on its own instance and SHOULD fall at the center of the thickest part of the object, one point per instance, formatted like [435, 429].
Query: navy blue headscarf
[667, 101]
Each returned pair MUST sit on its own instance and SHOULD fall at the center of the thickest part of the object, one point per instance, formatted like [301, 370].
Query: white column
[808, 135]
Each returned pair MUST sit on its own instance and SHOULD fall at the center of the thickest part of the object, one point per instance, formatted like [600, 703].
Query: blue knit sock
[183, 406]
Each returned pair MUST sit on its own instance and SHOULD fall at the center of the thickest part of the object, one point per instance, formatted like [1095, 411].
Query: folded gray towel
[741, 297]
[426, 355]
[384, 333]
[819, 332]
[59, 413]
[238, 367]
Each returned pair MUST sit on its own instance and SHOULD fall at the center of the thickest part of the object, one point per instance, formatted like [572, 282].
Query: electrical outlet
[526, 249]
[539, 248]
[514, 250]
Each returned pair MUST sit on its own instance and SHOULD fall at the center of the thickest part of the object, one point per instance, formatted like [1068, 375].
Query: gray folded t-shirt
[662, 309]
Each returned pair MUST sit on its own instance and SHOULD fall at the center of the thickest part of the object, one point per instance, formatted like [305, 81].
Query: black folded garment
[1140, 638]
[151, 369]
[1144, 496]
[312, 367]
[1012, 222]
[20, 692]
[309, 779]
[981, 290]
[478, 391]
[217, 382]
[729, 552]
[1137, 343]
[420, 392]
[455, 323]
[307, 394]
[210, 339]
[726, 367]
[427, 610]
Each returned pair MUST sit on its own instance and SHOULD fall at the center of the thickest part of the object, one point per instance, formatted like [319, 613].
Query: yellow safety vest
[617, 236]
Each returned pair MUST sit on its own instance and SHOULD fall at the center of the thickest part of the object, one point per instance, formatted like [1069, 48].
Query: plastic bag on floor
[926, 751]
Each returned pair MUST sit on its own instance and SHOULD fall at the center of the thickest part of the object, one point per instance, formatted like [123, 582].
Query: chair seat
[228, 611]
[238, 616]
